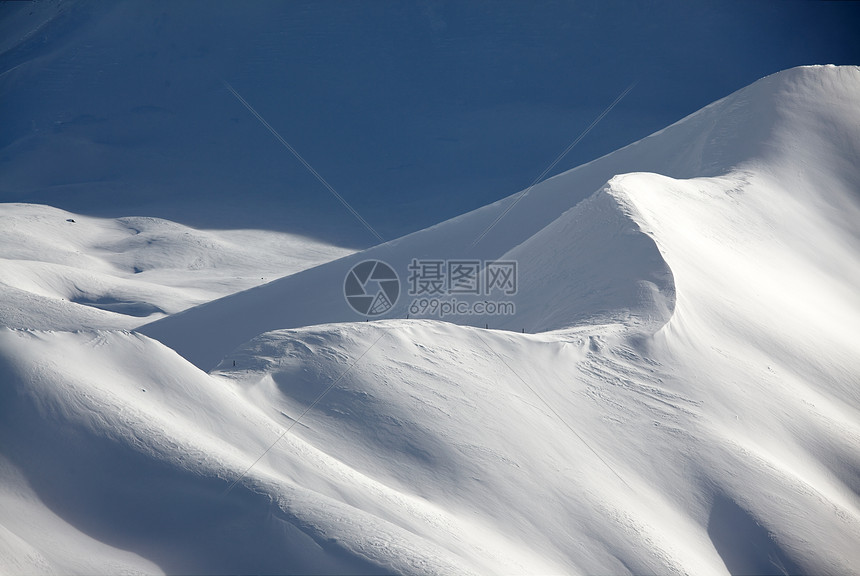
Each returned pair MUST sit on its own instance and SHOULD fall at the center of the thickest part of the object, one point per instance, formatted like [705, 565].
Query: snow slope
[684, 400]
[108, 273]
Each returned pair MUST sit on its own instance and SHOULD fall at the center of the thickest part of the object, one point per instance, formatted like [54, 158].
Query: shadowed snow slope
[685, 400]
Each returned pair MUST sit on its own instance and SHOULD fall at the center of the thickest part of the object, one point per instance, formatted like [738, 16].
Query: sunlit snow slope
[588, 261]
[79, 271]
[677, 393]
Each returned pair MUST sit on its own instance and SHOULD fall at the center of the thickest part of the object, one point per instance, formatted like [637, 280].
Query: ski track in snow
[677, 392]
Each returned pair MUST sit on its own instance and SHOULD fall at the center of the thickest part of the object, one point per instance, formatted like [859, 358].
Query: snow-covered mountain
[677, 391]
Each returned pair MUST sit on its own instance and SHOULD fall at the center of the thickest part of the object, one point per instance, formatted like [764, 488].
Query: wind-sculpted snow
[761, 128]
[444, 448]
[590, 265]
[677, 392]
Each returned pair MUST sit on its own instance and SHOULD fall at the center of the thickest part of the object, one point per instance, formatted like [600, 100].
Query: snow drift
[683, 400]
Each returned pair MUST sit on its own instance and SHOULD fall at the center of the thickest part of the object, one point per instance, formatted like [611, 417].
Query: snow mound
[592, 265]
[60, 270]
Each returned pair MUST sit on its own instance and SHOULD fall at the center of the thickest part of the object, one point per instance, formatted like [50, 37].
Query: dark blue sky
[414, 112]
